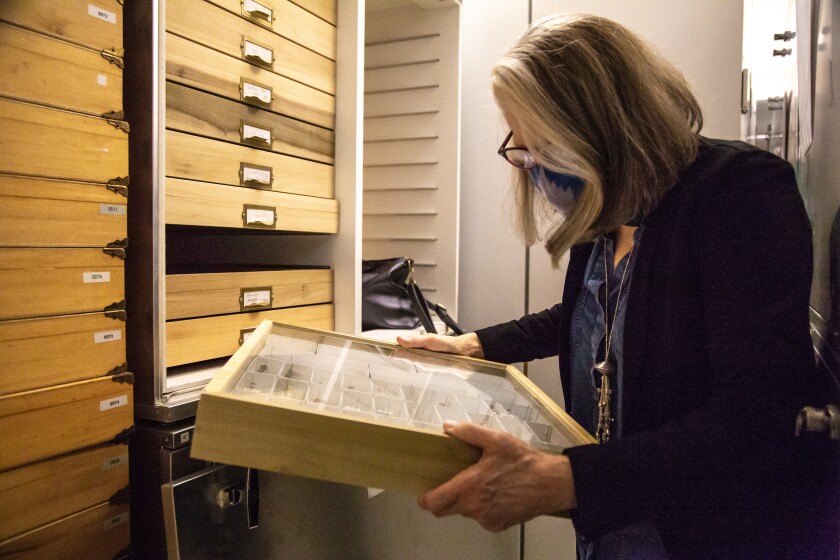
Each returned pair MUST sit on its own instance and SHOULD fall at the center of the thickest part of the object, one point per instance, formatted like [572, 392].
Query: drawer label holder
[256, 136]
[256, 94]
[257, 12]
[257, 54]
[254, 299]
[244, 334]
[260, 217]
[255, 176]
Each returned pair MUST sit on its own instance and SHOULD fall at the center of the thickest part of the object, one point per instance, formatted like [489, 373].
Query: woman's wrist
[471, 345]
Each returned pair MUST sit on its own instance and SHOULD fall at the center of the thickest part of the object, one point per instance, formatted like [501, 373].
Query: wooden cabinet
[233, 142]
[64, 389]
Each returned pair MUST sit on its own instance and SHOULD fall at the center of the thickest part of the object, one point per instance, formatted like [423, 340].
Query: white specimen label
[252, 90]
[246, 335]
[102, 79]
[104, 15]
[252, 132]
[116, 521]
[252, 7]
[115, 402]
[107, 336]
[258, 216]
[109, 464]
[112, 209]
[256, 175]
[258, 298]
[95, 277]
[259, 51]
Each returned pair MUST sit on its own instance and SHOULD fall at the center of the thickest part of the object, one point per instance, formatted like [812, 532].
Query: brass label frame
[258, 224]
[253, 183]
[256, 306]
[256, 141]
[264, 17]
[257, 60]
[254, 100]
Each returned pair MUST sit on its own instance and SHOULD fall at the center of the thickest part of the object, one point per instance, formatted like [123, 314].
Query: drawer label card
[254, 216]
[109, 464]
[116, 521]
[104, 15]
[256, 94]
[244, 334]
[257, 12]
[254, 135]
[255, 176]
[107, 336]
[115, 402]
[258, 54]
[95, 277]
[255, 298]
[113, 209]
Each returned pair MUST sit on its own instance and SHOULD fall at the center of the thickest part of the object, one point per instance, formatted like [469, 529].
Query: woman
[683, 337]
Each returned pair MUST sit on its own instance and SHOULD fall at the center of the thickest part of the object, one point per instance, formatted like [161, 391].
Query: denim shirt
[640, 541]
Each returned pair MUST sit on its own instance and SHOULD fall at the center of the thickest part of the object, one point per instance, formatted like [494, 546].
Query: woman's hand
[511, 483]
[463, 345]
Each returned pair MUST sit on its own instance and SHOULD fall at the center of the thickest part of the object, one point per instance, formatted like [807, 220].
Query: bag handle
[421, 306]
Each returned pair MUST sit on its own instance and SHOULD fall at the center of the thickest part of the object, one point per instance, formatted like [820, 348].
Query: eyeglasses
[517, 156]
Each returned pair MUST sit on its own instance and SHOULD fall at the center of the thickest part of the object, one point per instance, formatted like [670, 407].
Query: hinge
[114, 115]
[118, 124]
[119, 185]
[116, 310]
[127, 378]
[116, 248]
[120, 497]
[122, 437]
[122, 368]
[113, 56]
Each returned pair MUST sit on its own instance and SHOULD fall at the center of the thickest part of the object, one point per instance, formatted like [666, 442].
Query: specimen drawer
[97, 24]
[197, 203]
[346, 409]
[39, 282]
[36, 212]
[53, 72]
[61, 144]
[47, 422]
[48, 490]
[201, 159]
[208, 338]
[195, 295]
[53, 350]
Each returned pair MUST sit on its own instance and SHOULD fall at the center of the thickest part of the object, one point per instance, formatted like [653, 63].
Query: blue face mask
[561, 190]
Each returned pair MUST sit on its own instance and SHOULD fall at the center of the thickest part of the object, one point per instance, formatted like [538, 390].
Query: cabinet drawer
[196, 340]
[60, 144]
[38, 282]
[54, 350]
[225, 32]
[196, 112]
[48, 213]
[206, 204]
[195, 295]
[45, 70]
[200, 159]
[98, 533]
[324, 9]
[97, 24]
[48, 422]
[193, 65]
[49, 490]
[289, 20]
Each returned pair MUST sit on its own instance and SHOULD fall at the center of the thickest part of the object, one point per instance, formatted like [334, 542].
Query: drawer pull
[255, 94]
[252, 299]
[255, 176]
[257, 53]
[260, 217]
[260, 13]
[255, 135]
[244, 334]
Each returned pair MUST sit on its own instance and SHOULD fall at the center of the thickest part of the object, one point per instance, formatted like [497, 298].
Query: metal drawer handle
[257, 12]
[230, 496]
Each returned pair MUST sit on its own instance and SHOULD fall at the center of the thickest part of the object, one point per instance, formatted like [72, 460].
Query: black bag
[392, 300]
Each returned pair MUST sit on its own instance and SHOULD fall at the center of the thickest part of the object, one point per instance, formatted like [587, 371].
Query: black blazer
[717, 363]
